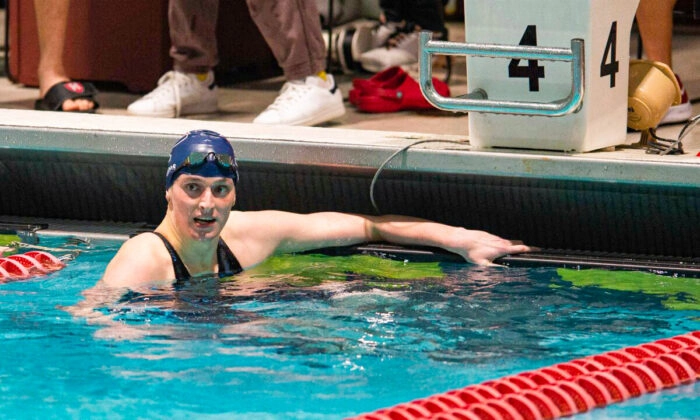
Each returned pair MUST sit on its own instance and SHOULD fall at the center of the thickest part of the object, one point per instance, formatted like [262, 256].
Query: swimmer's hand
[482, 247]
[475, 246]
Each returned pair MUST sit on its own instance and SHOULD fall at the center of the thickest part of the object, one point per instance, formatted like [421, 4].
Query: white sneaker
[178, 94]
[380, 59]
[309, 102]
[381, 34]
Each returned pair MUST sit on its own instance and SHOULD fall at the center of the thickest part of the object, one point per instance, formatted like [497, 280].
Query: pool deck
[356, 140]
[138, 136]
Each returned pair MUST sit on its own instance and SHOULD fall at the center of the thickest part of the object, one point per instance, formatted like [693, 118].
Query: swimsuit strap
[228, 263]
[181, 272]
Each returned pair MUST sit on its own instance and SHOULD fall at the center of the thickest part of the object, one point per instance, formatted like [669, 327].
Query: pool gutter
[119, 160]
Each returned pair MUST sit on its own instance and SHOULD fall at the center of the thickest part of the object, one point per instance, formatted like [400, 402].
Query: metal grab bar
[478, 101]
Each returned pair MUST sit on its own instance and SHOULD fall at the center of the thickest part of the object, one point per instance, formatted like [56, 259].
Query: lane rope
[563, 389]
[29, 264]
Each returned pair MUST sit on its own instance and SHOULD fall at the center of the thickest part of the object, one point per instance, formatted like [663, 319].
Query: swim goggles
[225, 162]
[194, 159]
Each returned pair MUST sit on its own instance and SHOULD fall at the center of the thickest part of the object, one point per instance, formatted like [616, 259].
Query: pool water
[317, 337]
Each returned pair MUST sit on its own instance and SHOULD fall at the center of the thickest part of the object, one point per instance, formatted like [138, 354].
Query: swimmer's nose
[206, 201]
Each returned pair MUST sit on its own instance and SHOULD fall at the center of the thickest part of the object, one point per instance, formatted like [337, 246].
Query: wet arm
[473, 245]
[289, 232]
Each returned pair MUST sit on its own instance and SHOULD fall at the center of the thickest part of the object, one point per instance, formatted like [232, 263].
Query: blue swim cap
[204, 153]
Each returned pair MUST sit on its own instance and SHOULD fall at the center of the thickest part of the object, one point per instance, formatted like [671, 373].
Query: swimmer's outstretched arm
[475, 246]
[257, 235]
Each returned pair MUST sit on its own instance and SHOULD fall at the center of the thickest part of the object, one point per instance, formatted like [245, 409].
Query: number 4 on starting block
[543, 74]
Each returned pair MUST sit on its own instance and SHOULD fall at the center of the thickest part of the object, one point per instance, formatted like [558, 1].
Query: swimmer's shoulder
[255, 219]
[146, 241]
[238, 226]
[252, 224]
[240, 221]
[251, 235]
[146, 248]
[141, 258]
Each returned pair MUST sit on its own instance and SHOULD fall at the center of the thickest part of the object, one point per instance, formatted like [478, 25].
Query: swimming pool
[319, 337]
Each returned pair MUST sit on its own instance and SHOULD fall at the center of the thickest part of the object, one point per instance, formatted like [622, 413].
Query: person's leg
[655, 22]
[52, 21]
[190, 87]
[292, 29]
[426, 15]
[392, 10]
[415, 14]
[193, 35]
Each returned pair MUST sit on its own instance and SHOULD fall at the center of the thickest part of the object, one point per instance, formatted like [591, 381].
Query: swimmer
[201, 235]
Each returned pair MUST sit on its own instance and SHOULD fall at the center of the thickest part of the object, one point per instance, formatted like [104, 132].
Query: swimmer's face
[201, 205]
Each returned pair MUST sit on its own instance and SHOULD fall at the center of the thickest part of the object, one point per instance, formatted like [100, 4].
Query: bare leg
[52, 20]
[655, 21]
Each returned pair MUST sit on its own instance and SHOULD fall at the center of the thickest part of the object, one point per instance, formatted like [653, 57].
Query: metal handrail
[477, 100]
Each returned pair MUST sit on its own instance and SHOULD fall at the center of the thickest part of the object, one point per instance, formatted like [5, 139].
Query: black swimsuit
[228, 263]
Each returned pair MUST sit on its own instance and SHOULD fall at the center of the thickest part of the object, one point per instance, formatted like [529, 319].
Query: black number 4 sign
[609, 69]
[533, 71]
[609, 65]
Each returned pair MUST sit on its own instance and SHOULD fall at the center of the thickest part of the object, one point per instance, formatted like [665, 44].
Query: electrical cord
[663, 146]
[659, 145]
[393, 155]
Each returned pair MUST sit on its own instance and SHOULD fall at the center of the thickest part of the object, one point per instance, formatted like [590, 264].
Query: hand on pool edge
[482, 248]
[476, 246]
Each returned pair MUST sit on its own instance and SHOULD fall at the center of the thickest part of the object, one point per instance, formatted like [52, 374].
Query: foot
[68, 96]
[681, 112]
[68, 105]
[178, 94]
[305, 102]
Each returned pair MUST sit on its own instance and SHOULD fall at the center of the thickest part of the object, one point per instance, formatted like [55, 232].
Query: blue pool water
[326, 344]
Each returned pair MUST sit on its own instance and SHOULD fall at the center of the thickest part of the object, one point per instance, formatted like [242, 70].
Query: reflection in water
[464, 314]
[309, 338]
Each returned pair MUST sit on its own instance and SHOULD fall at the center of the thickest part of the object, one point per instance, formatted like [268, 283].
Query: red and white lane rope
[32, 263]
[563, 389]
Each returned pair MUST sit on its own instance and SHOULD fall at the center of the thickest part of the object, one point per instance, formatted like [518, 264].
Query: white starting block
[547, 75]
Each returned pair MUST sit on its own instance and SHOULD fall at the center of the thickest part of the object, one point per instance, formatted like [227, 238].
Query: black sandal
[63, 91]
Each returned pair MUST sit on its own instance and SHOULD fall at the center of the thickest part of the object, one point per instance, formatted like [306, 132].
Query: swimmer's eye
[192, 187]
[220, 190]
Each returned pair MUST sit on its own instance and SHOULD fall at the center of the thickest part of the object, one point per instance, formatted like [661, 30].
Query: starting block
[541, 74]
